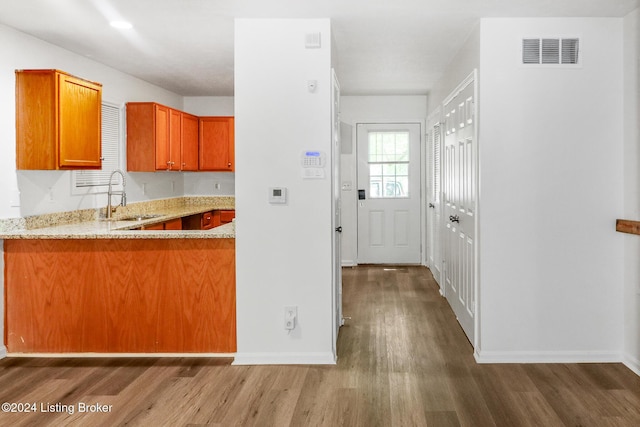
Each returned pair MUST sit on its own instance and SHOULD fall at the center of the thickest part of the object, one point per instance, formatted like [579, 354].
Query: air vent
[312, 40]
[550, 51]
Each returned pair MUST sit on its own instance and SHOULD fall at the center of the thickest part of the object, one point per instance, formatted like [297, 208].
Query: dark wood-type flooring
[403, 361]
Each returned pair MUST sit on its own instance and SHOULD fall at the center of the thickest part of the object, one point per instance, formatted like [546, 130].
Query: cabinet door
[227, 216]
[189, 146]
[58, 121]
[216, 143]
[162, 137]
[175, 139]
[80, 120]
[157, 226]
[174, 224]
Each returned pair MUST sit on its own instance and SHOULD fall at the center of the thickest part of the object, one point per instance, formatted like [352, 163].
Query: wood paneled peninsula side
[102, 287]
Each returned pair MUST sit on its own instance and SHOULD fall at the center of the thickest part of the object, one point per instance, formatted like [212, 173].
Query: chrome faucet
[110, 192]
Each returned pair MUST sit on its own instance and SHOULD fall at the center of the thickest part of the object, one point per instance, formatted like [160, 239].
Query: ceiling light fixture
[121, 25]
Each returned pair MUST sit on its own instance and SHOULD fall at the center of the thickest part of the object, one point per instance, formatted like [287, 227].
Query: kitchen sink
[138, 217]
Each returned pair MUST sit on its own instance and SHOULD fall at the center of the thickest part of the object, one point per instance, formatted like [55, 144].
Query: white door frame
[336, 223]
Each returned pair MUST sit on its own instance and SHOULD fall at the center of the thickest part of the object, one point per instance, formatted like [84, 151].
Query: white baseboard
[632, 363]
[348, 263]
[284, 359]
[95, 355]
[547, 357]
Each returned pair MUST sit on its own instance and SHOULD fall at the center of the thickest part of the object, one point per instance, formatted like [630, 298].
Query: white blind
[436, 162]
[110, 150]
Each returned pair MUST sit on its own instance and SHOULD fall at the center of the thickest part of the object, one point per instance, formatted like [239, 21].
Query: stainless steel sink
[138, 217]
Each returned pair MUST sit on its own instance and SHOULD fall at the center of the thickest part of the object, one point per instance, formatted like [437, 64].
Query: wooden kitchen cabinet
[189, 143]
[217, 144]
[203, 221]
[173, 224]
[58, 121]
[227, 216]
[160, 138]
[120, 296]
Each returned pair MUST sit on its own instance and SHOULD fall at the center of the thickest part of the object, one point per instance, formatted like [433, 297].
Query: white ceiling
[186, 46]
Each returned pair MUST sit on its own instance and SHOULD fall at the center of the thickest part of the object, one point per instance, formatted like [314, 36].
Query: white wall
[204, 183]
[25, 193]
[464, 62]
[369, 109]
[283, 252]
[551, 146]
[632, 188]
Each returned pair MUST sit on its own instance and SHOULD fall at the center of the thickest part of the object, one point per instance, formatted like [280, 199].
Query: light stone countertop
[118, 229]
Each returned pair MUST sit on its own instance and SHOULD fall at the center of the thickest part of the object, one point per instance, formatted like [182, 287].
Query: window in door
[389, 165]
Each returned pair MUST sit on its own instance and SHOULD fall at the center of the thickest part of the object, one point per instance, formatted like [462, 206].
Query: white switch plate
[290, 317]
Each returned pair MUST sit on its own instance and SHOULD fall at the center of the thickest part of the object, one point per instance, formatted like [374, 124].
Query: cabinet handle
[229, 164]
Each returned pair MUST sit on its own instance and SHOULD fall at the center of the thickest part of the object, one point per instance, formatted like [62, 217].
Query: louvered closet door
[434, 256]
[459, 206]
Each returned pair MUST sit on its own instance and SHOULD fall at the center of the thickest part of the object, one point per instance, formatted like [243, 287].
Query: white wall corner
[326, 358]
[632, 362]
[3, 352]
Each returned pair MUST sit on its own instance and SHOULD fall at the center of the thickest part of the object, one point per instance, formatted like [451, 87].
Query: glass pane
[402, 148]
[374, 188]
[388, 146]
[388, 164]
[389, 168]
[403, 186]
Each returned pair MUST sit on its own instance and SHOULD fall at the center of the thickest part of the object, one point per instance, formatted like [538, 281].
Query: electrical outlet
[290, 316]
[216, 185]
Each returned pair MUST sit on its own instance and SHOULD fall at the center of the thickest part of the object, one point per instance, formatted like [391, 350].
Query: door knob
[339, 229]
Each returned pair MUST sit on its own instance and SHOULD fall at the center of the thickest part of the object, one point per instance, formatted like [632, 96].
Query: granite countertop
[97, 228]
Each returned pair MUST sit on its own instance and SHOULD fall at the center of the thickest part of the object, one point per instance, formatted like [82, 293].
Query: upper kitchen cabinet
[189, 145]
[217, 144]
[58, 121]
[160, 138]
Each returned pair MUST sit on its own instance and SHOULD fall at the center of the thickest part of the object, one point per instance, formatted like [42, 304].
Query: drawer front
[227, 216]
[207, 221]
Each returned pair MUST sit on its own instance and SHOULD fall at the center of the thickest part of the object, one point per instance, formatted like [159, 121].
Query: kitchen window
[97, 181]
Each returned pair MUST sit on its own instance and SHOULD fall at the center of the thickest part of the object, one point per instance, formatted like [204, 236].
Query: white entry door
[389, 193]
[459, 204]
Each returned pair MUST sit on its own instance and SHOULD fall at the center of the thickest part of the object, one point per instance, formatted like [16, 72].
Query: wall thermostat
[277, 195]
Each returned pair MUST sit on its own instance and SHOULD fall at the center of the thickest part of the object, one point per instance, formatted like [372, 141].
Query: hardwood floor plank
[403, 360]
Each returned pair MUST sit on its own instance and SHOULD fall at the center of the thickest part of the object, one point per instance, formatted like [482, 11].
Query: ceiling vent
[550, 51]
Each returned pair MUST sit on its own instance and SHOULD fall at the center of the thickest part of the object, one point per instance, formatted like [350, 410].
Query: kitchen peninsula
[85, 285]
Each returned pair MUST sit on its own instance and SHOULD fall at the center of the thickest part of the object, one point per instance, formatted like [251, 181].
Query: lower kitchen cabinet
[120, 296]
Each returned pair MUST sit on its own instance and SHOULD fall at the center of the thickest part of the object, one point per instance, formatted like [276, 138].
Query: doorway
[389, 208]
